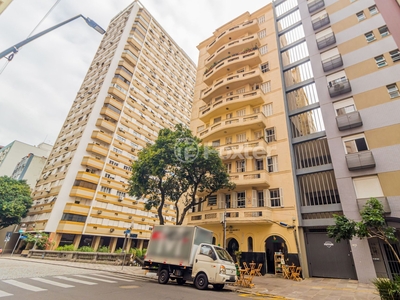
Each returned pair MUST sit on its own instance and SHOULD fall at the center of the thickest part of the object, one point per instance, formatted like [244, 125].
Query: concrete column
[77, 240]
[362, 260]
[113, 244]
[128, 245]
[95, 243]
[55, 239]
[140, 244]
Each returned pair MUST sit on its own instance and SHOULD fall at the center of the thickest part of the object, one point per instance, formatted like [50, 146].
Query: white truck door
[204, 262]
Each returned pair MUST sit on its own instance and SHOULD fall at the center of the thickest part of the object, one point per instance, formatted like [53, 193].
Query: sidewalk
[268, 285]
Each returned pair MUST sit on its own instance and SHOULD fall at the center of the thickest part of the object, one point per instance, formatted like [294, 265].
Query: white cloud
[39, 85]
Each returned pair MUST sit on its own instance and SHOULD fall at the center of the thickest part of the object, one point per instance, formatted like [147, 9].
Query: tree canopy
[15, 201]
[177, 168]
[372, 225]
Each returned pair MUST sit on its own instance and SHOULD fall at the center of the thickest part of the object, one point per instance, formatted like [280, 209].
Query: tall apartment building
[336, 63]
[239, 109]
[139, 81]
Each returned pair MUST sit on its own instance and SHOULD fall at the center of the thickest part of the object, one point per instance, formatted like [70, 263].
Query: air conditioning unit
[98, 144]
[64, 139]
[65, 148]
[99, 212]
[120, 199]
[130, 217]
[62, 160]
[121, 129]
[47, 190]
[143, 219]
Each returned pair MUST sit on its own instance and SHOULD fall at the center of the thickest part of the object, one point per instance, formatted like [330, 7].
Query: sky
[39, 85]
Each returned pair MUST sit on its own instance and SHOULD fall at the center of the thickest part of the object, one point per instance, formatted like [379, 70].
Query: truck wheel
[201, 282]
[163, 277]
[180, 281]
[218, 287]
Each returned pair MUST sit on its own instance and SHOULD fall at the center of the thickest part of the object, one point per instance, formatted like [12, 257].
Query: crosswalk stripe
[24, 285]
[4, 294]
[63, 285]
[93, 278]
[76, 280]
[113, 277]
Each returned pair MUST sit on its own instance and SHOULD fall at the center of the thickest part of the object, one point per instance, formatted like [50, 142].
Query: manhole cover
[129, 286]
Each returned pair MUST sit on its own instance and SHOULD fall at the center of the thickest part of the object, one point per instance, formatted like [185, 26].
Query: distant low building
[29, 169]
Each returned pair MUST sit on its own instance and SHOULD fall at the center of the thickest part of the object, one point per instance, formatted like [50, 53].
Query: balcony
[235, 46]
[349, 120]
[386, 207]
[78, 209]
[88, 177]
[107, 111]
[233, 33]
[339, 88]
[254, 215]
[117, 92]
[332, 63]
[236, 61]
[253, 121]
[315, 5]
[232, 82]
[70, 227]
[127, 55]
[245, 149]
[360, 160]
[105, 124]
[97, 149]
[92, 162]
[101, 136]
[320, 22]
[326, 41]
[219, 105]
[251, 178]
[81, 192]
[117, 104]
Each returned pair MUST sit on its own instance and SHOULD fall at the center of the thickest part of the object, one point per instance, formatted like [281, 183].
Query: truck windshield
[223, 254]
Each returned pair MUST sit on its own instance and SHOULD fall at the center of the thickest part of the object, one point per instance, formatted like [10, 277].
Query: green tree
[177, 168]
[372, 225]
[15, 201]
[41, 239]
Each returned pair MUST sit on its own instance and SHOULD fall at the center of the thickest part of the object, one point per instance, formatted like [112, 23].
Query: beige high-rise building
[139, 81]
[239, 109]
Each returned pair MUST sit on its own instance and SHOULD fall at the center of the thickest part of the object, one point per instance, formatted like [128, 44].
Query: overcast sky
[38, 86]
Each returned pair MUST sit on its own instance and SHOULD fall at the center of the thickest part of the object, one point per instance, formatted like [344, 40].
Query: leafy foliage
[85, 249]
[103, 249]
[372, 225]
[66, 248]
[15, 201]
[41, 239]
[388, 289]
[176, 168]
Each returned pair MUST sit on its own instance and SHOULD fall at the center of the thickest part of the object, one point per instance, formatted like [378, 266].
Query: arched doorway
[274, 244]
[233, 246]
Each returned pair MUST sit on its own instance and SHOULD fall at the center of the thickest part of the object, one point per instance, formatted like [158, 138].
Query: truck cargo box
[176, 245]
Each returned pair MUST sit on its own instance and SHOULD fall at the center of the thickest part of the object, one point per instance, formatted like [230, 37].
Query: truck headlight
[222, 270]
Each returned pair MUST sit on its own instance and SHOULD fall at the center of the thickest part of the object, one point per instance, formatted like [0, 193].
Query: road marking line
[4, 294]
[99, 279]
[76, 280]
[115, 277]
[63, 285]
[24, 285]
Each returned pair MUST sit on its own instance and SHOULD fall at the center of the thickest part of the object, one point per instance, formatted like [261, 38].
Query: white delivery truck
[185, 253]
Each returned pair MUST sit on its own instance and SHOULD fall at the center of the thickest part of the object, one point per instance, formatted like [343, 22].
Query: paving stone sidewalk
[266, 286]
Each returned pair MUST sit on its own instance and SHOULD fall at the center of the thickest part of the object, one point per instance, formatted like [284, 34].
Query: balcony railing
[332, 63]
[350, 120]
[383, 200]
[339, 88]
[326, 40]
[315, 5]
[320, 22]
[233, 215]
[360, 160]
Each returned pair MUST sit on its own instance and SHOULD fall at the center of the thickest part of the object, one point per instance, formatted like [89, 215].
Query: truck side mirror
[214, 256]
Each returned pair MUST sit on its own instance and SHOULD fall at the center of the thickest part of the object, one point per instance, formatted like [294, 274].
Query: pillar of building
[128, 245]
[54, 239]
[113, 244]
[96, 242]
[363, 260]
[77, 240]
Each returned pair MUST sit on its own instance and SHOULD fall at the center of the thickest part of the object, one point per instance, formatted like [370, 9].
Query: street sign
[133, 235]
[21, 230]
[8, 234]
[23, 237]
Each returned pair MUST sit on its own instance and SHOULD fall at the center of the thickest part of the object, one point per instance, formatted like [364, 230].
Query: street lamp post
[14, 49]
[224, 227]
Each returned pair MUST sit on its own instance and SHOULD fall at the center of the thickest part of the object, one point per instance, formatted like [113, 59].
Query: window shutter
[234, 199]
[254, 203]
[220, 201]
[267, 201]
[281, 196]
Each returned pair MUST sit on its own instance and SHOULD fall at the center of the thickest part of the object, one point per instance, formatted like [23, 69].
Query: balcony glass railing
[360, 160]
[349, 120]
[332, 63]
[320, 22]
[315, 5]
[339, 88]
[326, 40]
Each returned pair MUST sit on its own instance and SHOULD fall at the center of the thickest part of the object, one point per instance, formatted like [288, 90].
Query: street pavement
[266, 287]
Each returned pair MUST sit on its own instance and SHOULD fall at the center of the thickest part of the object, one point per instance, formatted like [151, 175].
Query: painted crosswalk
[40, 284]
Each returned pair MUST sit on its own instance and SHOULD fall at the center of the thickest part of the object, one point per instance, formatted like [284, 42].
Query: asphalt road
[36, 281]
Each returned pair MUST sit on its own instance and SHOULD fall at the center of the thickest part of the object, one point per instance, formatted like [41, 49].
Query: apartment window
[229, 116]
[228, 200]
[380, 61]
[272, 162]
[212, 200]
[370, 37]
[228, 140]
[257, 135]
[105, 189]
[384, 31]
[360, 16]
[241, 199]
[241, 166]
[393, 90]
[261, 19]
[241, 137]
[259, 164]
[373, 10]
[228, 168]
[216, 143]
[260, 199]
[395, 55]
[262, 34]
[275, 197]
[120, 138]
[264, 49]
[367, 187]
[265, 67]
[256, 110]
[267, 109]
[355, 143]
[200, 128]
[241, 113]
[216, 120]
[344, 107]
[266, 87]
[270, 135]
[241, 91]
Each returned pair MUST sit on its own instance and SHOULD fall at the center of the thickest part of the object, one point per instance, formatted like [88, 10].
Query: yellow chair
[246, 267]
[296, 274]
[286, 272]
[258, 270]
